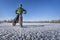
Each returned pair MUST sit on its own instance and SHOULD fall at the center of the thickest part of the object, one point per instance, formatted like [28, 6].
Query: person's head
[20, 5]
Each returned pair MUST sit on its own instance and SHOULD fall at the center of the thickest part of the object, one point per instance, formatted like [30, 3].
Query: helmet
[20, 4]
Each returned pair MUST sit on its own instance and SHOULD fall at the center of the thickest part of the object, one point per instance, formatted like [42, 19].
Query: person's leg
[15, 20]
[20, 20]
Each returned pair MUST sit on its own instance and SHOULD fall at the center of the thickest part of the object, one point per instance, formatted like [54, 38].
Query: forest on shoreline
[51, 21]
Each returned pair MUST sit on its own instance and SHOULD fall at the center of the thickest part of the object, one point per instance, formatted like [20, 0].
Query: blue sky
[36, 9]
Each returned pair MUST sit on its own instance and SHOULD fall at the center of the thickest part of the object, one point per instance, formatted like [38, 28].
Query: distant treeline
[51, 21]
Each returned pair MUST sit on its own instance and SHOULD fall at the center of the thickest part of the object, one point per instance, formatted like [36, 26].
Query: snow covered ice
[34, 31]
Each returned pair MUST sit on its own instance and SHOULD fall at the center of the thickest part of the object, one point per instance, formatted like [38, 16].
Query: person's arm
[24, 11]
[16, 11]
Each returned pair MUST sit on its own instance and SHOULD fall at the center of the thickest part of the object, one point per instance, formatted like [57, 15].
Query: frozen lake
[30, 31]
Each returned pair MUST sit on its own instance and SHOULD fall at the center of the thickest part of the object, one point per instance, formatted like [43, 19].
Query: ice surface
[35, 31]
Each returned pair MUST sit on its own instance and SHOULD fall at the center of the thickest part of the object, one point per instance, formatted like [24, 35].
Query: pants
[19, 19]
